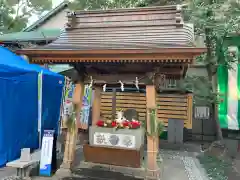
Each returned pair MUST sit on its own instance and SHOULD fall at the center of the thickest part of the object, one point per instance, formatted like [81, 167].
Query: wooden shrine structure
[120, 45]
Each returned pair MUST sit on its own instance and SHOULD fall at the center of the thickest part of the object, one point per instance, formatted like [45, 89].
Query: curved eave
[165, 55]
[39, 52]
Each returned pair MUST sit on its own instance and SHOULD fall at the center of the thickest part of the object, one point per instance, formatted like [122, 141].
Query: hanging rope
[135, 83]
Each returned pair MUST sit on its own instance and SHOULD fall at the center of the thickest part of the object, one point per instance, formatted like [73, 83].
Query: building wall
[57, 21]
[197, 70]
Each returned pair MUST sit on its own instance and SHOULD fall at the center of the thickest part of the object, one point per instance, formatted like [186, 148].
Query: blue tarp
[19, 104]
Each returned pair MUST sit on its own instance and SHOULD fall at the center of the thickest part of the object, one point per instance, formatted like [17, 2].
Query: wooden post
[96, 105]
[78, 99]
[114, 103]
[152, 143]
[71, 137]
[189, 110]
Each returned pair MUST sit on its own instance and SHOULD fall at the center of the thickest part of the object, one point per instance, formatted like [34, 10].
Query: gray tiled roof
[139, 28]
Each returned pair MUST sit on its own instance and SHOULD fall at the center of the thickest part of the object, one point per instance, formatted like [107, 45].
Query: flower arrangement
[120, 122]
[120, 125]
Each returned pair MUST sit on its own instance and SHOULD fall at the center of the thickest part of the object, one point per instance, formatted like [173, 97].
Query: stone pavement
[6, 172]
[177, 165]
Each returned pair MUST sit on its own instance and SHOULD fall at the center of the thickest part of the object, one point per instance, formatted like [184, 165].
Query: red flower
[114, 124]
[125, 123]
[135, 124]
[100, 123]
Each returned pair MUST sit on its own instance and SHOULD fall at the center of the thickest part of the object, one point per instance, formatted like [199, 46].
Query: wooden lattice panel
[124, 101]
[170, 106]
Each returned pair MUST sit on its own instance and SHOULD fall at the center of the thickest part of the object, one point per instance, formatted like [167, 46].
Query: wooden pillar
[71, 137]
[96, 105]
[189, 110]
[77, 100]
[114, 103]
[152, 143]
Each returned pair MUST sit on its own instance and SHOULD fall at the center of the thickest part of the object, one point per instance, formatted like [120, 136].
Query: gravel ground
[190, 165]
[219, 168]
[176, 165]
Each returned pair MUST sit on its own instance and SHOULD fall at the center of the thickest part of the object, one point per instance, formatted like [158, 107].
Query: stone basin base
[113, 156]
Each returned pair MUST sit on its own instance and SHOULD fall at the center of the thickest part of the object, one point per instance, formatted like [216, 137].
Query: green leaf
[14, 14]
[156, 126]
[71, 121]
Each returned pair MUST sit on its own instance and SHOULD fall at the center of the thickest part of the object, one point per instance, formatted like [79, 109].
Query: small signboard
[46, 153]
[201, 112]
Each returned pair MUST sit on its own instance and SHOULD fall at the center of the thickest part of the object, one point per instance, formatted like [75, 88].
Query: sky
[35, 18]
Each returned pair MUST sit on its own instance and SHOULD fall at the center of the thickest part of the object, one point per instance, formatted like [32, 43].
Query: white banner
[233, 98]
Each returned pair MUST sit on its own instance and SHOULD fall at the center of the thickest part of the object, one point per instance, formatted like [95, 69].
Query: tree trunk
[214, 108]
[212, 70]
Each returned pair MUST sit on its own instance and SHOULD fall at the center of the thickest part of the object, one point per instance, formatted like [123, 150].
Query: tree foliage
[161, 2]
[14, 14]
[215, 20]
[111, 4]
[104, 4]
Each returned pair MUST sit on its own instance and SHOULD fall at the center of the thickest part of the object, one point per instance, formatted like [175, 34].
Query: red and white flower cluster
[123, 125]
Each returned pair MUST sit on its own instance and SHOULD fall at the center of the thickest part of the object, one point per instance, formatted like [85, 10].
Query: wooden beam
[124, 59]
[120, 72]
[127, 79]
[59, 52]
[114, 78]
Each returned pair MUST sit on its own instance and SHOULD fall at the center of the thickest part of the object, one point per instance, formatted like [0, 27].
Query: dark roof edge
[51, 13]
[132, 9]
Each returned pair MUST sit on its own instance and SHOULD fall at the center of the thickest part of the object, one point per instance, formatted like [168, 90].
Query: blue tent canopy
[19, 104]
